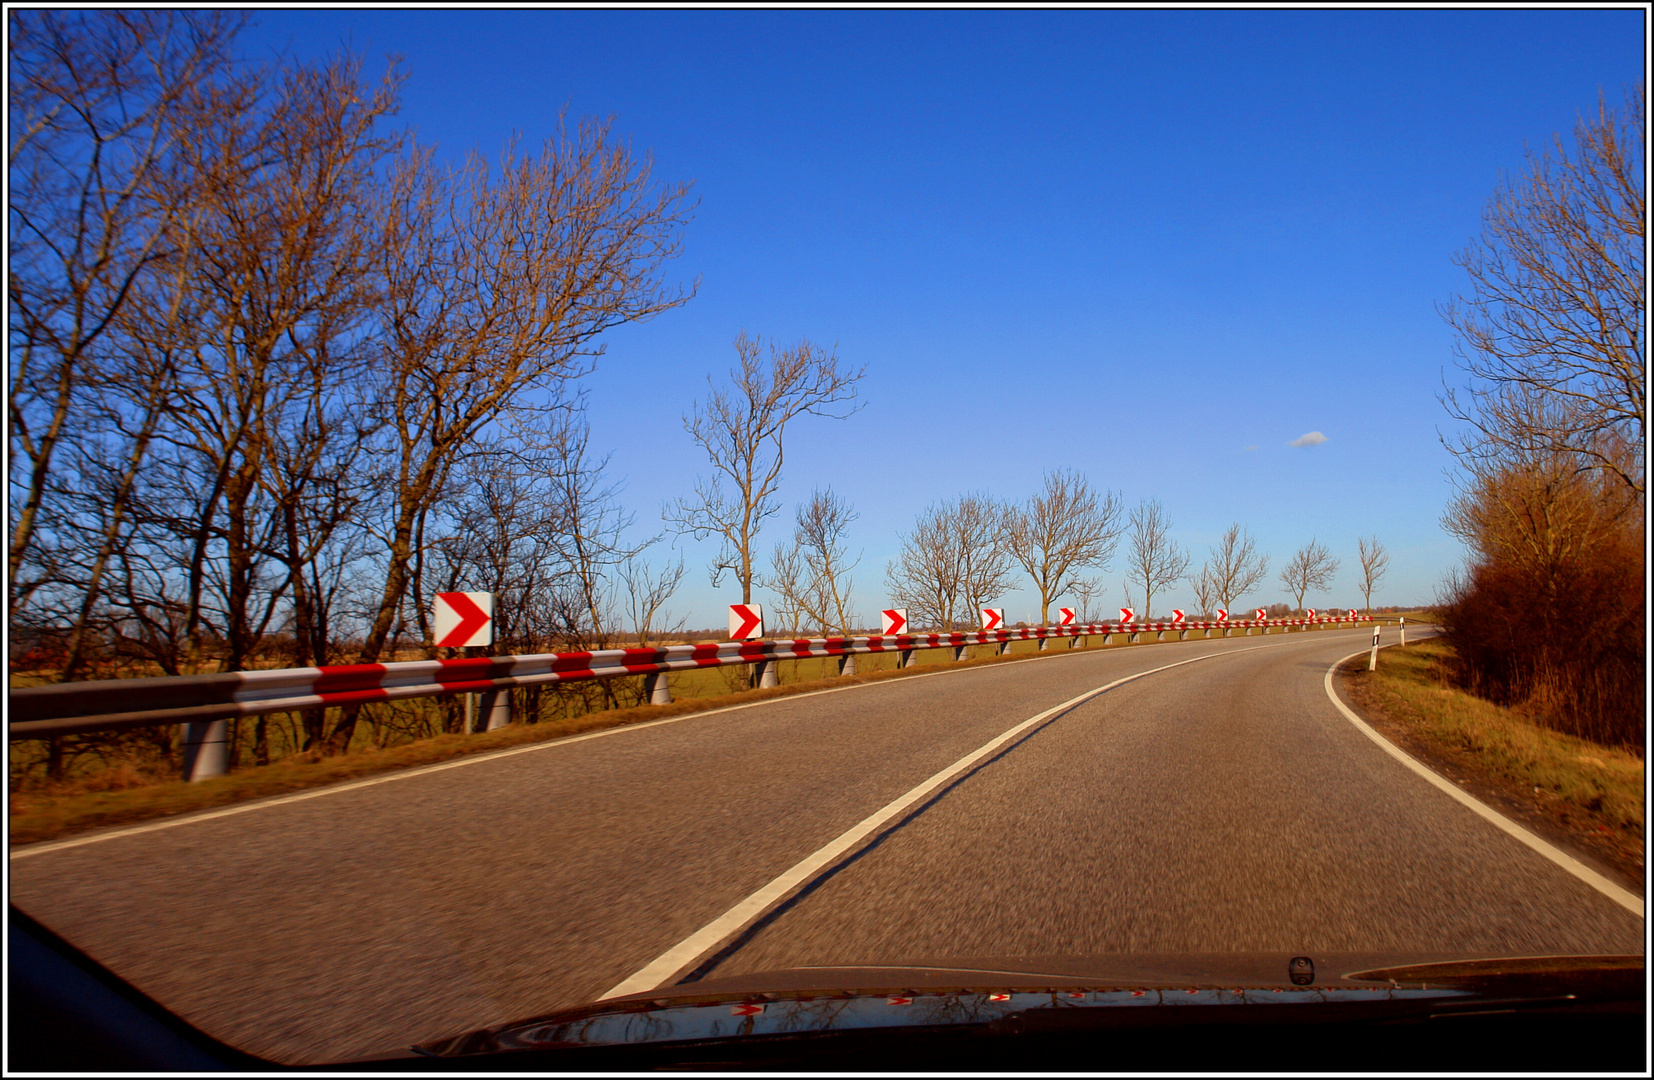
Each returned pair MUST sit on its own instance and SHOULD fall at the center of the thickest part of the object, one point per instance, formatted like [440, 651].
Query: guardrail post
[655, 690]
[1043, 642]
[1004, 647]
[907, 657]
[767, 675]
[495, 706]
[206, 749]
[959, 652]
[847, 664]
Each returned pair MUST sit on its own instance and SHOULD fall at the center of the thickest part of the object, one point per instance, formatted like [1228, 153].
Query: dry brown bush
[1549, 616]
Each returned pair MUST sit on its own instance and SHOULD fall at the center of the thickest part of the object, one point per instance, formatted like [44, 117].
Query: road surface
[1223, 805]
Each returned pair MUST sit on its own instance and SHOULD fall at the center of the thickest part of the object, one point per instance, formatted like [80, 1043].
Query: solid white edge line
[720, 930]
[1621, 896]
[474, 759]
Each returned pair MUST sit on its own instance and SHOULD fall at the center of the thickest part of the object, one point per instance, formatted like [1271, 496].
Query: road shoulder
[1614, 854]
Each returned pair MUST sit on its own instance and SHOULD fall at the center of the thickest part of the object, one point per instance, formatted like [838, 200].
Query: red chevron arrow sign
[1223, 615]
[895, 621]
[463, 618]
[746, 622]
[1309, 613]
[1127, 615]
[992, 617]
[1261, 614]
[1065, 616]
[1352, 613]
[1177, 615]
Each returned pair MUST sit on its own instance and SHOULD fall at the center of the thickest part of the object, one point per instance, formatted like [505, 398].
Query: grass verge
[1590, 793]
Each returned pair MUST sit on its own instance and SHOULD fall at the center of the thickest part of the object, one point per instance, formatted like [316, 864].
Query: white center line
[682, 956]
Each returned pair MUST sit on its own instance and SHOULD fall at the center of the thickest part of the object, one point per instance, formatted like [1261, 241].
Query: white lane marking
[714, 934]
[473, 759]
[1621, 896]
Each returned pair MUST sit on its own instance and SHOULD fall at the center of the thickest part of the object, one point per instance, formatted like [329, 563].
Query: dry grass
[1601, 783]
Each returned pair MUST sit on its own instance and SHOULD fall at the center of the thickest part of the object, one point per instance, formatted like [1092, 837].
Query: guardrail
[206, 702]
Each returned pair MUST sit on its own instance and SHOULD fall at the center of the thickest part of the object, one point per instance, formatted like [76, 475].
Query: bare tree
[1154, 559]
[983, 553]
[1065, 528]
[953, 562]
[589, 530]
[1310, 569]
[497, 281]
[94, 112]
[1087, 591]
[1235, 568]
[647, 591]
[1374, 561]
[269, 398]
[741, 429]
[924, 577]
[811, 576]
[1553, 334]
[1200, 583]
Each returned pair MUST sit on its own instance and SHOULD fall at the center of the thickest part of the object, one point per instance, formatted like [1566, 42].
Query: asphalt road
[1220, 806]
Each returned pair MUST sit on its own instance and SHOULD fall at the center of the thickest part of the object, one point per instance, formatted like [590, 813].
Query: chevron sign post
[463, 619]
[895, 621]
[746, 622]
[1127, 615]
[993, 618]
[1065, 616]
[1177, 615]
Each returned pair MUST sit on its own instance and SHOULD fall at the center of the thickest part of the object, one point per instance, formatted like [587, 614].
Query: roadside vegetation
[1548, 615]
[1574, 779]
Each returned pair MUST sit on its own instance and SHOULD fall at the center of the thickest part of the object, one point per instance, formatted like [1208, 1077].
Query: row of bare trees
[279, 372]
[963, 553]
[1551, 484]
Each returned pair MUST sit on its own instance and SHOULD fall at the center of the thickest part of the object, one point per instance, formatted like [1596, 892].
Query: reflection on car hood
[1015, 993]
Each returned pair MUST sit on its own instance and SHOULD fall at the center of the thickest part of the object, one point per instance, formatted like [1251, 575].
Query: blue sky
[1153, 246]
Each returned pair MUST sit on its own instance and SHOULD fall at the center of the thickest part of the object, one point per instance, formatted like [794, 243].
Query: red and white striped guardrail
[102, 705]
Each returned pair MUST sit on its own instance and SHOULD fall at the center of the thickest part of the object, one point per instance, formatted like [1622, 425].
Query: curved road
[1223, 805]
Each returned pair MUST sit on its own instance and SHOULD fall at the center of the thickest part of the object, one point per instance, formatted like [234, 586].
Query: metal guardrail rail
[110, 704]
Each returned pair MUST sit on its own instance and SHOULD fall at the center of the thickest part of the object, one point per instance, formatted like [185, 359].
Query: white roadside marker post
[1404, 633]
[1372, 661]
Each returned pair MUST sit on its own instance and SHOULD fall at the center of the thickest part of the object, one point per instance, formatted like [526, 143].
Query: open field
[1591, 793]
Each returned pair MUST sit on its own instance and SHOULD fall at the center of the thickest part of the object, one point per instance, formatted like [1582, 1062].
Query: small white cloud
[1311, 438]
